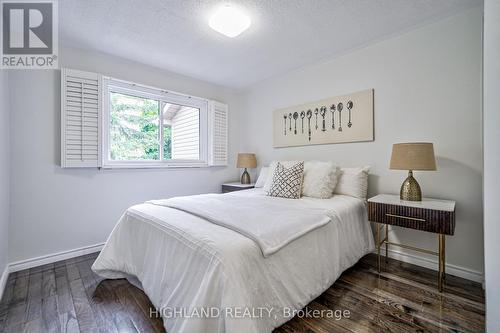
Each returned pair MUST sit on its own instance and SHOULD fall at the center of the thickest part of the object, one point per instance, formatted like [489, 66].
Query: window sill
[152, 165]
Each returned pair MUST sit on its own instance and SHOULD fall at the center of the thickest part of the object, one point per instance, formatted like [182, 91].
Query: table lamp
[246, 160]
[412, 156]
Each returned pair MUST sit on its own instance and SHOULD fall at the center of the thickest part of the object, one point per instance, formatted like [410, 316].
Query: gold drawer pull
[406, 217]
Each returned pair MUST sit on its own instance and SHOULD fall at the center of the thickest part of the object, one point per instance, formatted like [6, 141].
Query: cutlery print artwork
[349, 107]
[335, 109]
[302, 116]
[340, 106]
[332, 110]
[284, 117]
[309, 116]
[316, 113]
[322, 112]
[295, 116]
[337, 119]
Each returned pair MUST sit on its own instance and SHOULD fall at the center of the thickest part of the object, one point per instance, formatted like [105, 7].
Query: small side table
[236, 186]
[431, 215]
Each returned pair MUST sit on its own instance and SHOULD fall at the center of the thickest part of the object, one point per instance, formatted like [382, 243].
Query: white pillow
[320, 179]
[353, 182]
[270, 172]
[264, 172]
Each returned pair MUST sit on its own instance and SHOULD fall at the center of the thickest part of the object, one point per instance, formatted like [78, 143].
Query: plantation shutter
[80, 119]
[218, 116]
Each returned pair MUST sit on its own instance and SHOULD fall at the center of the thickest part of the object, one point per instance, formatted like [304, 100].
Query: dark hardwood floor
[68, 297]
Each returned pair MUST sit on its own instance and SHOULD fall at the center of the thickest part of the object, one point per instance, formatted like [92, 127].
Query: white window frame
[110, 85]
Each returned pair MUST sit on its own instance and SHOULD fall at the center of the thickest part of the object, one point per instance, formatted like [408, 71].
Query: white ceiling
[284, 35]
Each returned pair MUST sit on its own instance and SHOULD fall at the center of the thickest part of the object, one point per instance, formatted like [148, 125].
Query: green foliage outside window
[134, 131]
[167, 142]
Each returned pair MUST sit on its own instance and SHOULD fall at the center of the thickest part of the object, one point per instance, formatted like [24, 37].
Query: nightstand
[236, 186]
[431, 215]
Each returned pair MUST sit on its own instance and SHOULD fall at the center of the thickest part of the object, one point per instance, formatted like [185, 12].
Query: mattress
[202, 277]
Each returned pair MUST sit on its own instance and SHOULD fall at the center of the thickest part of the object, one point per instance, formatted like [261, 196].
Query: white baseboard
[54, 257]
[462, 272]
[3, 280]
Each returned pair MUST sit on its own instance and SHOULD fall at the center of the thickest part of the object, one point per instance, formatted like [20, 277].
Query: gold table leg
[441, 261]
[378, 246]
[441, 253]
[386, 243]
[444, 258]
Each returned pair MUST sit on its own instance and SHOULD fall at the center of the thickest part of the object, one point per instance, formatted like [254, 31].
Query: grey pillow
[287, 181]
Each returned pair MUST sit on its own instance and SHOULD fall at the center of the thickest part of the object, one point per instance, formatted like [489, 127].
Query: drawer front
[227, 188]
[436, 221]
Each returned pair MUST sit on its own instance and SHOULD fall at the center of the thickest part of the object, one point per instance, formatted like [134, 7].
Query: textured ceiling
[284, 35]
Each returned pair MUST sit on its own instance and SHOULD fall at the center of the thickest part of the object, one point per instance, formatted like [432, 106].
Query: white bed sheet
[187, 265]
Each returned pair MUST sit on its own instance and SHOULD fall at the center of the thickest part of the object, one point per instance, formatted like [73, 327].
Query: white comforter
[187, 265]
[270, 222]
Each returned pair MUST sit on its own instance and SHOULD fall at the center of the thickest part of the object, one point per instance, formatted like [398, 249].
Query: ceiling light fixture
[229, 21]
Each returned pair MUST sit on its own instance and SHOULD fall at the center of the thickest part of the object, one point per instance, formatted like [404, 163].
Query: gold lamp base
[410, 190]
[245, 177]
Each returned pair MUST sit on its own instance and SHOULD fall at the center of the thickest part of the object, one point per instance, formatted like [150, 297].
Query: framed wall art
[347, 118]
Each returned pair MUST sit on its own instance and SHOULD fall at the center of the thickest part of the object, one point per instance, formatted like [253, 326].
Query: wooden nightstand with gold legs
[431, 215]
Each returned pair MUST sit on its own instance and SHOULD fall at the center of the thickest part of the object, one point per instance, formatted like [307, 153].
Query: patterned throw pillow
[287, 182]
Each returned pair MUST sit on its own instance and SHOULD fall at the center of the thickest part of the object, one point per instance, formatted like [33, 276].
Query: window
[134, 129]
[111, 123]
[147, 127]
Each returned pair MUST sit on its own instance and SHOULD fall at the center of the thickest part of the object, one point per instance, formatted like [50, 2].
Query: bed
[206, 277]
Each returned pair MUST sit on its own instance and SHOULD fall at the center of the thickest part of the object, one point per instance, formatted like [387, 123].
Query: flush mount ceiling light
[229, 21]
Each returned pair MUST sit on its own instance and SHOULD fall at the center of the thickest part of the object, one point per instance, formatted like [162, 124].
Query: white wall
[427, 88]
[4, 171]
[56, 209]
[492, 162]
